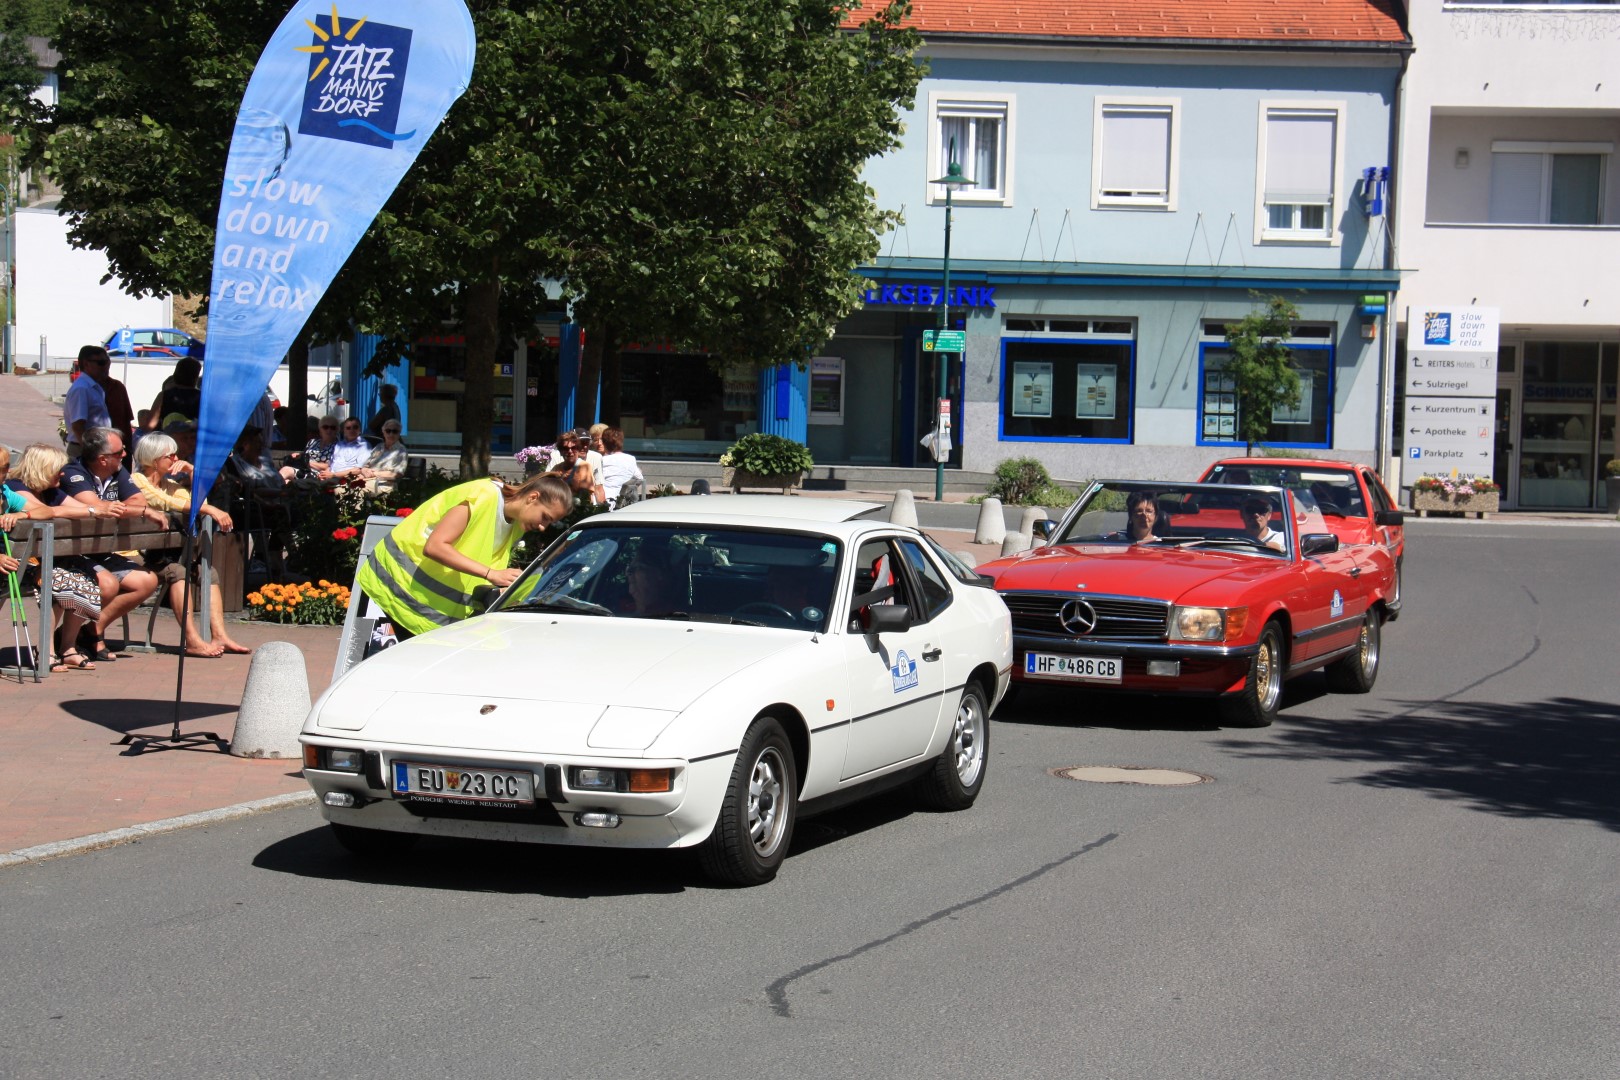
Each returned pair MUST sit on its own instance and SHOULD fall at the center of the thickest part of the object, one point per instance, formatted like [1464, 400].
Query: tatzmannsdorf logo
[356, 79]
[1436, 328]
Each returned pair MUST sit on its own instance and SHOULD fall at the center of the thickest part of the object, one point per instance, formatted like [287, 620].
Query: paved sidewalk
[27, 413]
[63, 774]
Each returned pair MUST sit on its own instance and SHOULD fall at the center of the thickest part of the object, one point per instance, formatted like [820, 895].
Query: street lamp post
[952, 180]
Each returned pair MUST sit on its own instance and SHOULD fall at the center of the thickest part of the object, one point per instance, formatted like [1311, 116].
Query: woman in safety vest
[428, 570]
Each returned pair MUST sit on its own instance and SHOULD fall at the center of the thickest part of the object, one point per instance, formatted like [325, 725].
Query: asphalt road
[1420, 882]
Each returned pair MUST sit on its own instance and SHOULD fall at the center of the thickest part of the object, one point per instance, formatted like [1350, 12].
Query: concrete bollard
[903, 511]
[1014, 542]
[1032, 514]
[275, 703]
[967, 558]
[992, 527]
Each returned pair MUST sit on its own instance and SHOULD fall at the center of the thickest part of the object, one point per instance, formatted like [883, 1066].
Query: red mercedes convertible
[1214, 590]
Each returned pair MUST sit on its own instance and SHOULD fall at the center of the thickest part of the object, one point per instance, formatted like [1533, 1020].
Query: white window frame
[1603, 151]
[1330, 235]
[1165, 200]
[1000, 107]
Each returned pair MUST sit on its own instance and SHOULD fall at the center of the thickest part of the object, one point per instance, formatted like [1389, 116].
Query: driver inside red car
[1142, 513]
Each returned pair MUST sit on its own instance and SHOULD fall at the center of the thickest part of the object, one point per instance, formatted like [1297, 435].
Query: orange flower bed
[322, 603]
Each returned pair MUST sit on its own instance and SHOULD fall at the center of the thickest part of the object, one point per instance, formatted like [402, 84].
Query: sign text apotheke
[912, 295]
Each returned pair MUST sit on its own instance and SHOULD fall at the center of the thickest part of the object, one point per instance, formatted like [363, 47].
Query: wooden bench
[60, 538]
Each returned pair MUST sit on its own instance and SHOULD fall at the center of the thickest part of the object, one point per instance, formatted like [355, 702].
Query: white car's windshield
[1223, 517]
[684, 572]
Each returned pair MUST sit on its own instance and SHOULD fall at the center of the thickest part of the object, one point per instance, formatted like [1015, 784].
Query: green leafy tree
[1261, 365]
[688, 172]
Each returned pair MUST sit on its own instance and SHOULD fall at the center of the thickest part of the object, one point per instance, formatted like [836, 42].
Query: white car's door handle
[933, 654]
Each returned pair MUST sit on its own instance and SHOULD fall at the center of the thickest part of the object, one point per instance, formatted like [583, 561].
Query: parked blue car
[153, 341]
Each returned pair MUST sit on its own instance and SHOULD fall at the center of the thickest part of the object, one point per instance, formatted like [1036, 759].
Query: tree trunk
[590, 374]
[297, 393]
[480, 321]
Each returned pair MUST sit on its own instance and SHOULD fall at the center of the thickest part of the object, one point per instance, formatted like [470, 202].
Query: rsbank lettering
[929, 296]
[356, 79]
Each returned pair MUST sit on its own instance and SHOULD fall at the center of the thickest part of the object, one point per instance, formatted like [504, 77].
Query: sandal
[66, 660]
[101, 653]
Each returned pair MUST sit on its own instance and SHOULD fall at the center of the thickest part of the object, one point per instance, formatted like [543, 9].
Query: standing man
[386, 411]
[100, 481]
[86, 403]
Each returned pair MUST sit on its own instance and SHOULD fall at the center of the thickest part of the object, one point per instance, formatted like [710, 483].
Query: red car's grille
[1117, 618]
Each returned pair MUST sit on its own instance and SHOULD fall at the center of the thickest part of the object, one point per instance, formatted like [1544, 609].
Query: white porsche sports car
[692, 671]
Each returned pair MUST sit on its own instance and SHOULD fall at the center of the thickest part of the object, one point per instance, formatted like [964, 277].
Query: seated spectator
[100, 482]
[279, 438]
[573, 467]
[350, 452]
[593, 457]
[318, 450]
[259, 502]
[169, 491]
[386, 463]
[32, 492]
[617, 466]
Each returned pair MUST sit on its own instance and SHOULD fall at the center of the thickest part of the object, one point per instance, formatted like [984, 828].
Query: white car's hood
[549, 678]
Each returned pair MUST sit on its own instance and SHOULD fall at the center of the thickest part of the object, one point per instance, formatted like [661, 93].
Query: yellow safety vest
[420, 593]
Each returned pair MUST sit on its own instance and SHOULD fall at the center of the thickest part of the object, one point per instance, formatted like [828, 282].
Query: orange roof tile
[1324, 21]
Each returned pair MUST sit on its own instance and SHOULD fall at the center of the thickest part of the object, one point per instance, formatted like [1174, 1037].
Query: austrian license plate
[1085, 668]
[422, 782]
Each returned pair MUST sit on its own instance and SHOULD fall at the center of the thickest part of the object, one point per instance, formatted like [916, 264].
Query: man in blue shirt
[99, 481]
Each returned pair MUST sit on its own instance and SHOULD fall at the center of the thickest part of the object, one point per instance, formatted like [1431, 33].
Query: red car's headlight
[1207, 623]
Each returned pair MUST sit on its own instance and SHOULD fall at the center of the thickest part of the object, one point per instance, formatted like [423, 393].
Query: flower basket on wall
[738, 479]
[1436, 495]
[761, 460]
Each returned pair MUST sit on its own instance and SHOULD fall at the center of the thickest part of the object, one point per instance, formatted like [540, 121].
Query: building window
[1134, 153]
[1075, 384]
[981, 128]
[1301, 154]
[1536, 183]
[1308, 424]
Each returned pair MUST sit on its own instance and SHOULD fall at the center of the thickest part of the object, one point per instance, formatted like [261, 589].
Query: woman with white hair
[155, 458]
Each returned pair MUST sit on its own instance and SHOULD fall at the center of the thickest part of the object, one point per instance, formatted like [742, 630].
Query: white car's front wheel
[755, 825]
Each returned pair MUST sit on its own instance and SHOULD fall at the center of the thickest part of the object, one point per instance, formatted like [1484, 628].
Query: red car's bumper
[1148, 668]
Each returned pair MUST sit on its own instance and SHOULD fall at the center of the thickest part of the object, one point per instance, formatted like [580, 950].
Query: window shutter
[1299, 158]
[1136, 150]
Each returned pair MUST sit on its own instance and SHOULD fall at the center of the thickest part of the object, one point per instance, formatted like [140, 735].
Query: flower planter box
[738, 479]
[1427, 502]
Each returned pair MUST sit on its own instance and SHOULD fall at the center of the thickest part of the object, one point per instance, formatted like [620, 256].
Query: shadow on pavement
[557, 871]
[1541, 759]
[124, 715]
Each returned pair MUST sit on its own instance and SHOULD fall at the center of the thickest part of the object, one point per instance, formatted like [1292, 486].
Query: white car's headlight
[1207, 623]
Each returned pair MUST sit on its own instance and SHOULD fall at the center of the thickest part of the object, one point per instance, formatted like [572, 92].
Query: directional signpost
[945, 341]
[1450, 421]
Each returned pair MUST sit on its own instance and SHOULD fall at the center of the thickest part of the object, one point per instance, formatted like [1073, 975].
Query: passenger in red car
[1257, 524]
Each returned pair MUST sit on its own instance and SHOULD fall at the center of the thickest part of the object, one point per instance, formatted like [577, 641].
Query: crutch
[14, 585]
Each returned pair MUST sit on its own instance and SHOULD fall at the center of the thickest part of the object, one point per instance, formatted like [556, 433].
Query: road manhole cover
[1132, 774]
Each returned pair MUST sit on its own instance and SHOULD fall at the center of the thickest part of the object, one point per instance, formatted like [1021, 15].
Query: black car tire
[954, 779]
[1356, 673]
[1256, 705]
[755, 826]
[368, 844]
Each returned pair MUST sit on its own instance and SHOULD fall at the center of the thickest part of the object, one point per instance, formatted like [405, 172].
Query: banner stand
[140, 744]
